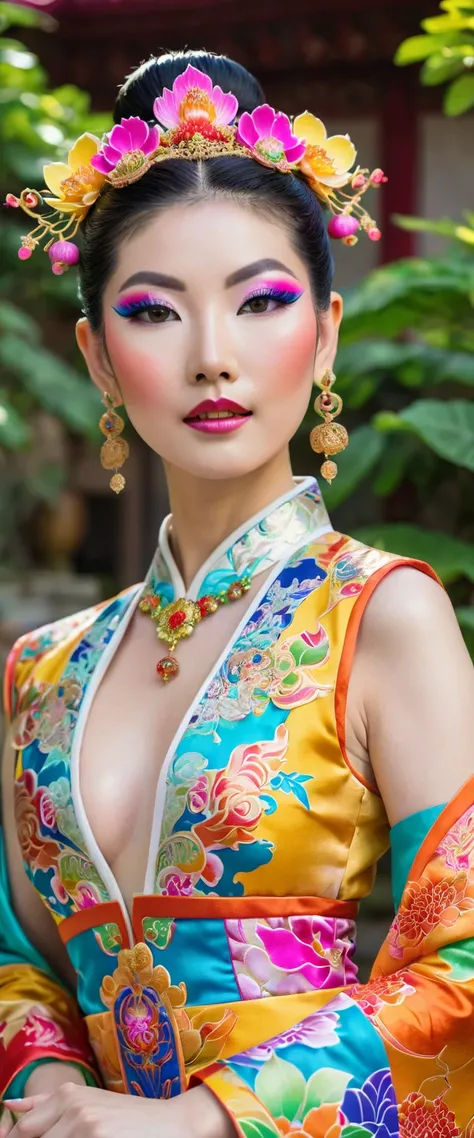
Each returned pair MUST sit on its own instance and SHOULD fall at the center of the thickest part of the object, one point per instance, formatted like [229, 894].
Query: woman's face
[212, 338]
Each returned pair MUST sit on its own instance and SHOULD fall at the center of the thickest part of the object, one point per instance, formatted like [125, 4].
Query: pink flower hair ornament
[196, 121]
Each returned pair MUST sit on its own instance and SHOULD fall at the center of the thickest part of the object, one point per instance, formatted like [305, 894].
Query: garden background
[399, 77]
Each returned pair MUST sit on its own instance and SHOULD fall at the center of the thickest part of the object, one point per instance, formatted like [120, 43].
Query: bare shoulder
[415, 684]
[407, 600]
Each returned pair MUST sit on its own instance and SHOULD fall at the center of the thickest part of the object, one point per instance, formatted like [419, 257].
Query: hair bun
[148, 81]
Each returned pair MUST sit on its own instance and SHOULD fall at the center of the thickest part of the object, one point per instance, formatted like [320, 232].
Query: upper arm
[29, 909]
[416, 685]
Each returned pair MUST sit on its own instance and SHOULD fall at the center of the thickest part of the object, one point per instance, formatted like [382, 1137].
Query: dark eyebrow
[257, 267]
[160, 279]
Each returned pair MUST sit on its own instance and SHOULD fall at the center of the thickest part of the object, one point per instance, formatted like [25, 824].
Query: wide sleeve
[39, 1019]
[393, 1057]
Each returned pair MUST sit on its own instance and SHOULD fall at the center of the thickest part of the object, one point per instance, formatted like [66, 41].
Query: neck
[206, 512]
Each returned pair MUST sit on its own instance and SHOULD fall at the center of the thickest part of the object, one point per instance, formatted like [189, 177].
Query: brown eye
[257, 304]
[157, 314]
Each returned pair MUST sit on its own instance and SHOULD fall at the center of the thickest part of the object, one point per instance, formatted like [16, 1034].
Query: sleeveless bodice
[264, 837]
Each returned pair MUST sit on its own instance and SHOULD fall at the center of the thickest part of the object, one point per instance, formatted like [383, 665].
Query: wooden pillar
[400, 151]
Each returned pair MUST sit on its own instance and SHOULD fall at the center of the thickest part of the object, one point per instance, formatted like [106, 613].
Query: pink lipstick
[217, 416]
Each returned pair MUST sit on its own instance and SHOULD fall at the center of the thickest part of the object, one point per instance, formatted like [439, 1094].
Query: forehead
[211, 238]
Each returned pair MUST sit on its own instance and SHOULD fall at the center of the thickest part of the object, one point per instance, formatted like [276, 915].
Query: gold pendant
[178, 619]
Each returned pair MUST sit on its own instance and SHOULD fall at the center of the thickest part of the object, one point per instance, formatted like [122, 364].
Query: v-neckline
[164, 560]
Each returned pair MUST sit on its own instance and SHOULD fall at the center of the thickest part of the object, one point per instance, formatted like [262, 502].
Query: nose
[212, 375]
[212, 358]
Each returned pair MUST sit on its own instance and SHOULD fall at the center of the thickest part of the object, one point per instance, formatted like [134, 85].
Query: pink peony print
[283, 956]
[177, 884]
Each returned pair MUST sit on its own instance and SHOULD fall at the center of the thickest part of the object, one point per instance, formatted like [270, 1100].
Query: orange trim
[348, 651]
[108, 912]
[226, 908]
[9, 676]
[444, 822]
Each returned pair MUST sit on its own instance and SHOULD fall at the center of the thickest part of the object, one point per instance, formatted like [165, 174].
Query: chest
[133, 724]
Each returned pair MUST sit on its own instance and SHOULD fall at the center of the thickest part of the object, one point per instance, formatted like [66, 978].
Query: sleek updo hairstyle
[118, 213]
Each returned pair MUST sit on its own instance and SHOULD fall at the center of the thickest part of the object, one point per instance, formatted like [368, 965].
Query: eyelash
[281, 296]
[133, 308]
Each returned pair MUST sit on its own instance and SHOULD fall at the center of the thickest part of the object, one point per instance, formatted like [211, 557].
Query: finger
[7, 1124]
[21, 1105]
[36, 1121]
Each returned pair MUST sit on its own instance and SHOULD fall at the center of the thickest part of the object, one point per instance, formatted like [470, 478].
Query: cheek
[142, 371]
[286, 357]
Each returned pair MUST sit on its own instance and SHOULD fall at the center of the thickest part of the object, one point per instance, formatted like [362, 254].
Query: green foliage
[447, 52]
[405, 370]
[37, 125]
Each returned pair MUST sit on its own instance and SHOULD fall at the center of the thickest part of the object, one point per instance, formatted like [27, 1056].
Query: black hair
[118, 213]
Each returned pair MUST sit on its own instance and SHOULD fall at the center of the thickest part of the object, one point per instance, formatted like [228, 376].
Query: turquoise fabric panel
[406, 837]
[199, 954]
[91, 963]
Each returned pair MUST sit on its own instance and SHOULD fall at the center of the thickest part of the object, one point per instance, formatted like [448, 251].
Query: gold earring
[115, 451]
[329, 437]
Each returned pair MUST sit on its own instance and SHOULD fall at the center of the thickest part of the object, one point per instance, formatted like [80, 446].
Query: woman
[198, 824]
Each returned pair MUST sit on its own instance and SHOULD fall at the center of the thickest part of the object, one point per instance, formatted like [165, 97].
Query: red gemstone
[177, 619]
[207, 605]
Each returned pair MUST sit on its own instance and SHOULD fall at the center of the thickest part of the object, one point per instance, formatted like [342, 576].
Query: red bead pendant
[167, 667]
[177, 619]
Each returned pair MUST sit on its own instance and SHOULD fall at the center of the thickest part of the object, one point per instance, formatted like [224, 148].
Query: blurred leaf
[454, 21]
[445, 227]
[55, 385]
[439, 69]
[14, 433]
[465, 234]
[15, 320]
[389, 421]
[354, 464]
[448, 428]
[397, 457]
[417, 48]
[466, 617]
[450, 558]
[72, 98]
[460, 96]
[15, 15]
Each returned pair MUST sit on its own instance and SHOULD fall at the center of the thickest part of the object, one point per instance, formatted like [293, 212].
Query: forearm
[50, 1076]
[211, 1119]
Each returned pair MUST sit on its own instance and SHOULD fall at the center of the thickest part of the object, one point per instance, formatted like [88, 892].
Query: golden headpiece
[200, 122]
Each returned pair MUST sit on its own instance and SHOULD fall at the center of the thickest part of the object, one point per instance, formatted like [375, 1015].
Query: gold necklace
[178, 619]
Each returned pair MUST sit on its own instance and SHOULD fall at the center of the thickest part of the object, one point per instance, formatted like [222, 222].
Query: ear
[328, 334]
[95, 354]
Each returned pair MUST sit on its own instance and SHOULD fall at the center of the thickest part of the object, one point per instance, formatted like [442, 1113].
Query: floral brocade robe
[236, 965]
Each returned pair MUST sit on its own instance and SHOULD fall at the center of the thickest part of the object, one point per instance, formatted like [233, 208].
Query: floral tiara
[194, 121]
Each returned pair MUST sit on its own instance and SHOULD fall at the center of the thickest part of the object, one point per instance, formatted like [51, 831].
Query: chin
[218, 468]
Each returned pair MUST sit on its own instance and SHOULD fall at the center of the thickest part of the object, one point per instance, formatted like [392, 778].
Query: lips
[216, 409]
[217, 417]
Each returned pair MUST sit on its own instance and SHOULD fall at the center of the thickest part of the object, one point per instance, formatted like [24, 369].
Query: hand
[44, 1079]
[82, 1112]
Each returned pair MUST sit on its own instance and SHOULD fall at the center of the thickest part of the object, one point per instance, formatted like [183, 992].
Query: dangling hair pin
[195, 121]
